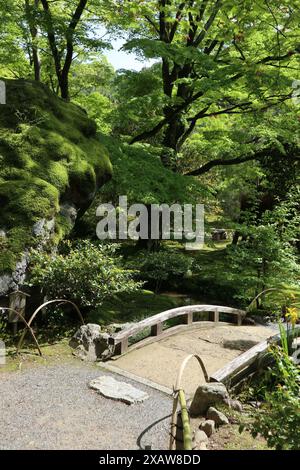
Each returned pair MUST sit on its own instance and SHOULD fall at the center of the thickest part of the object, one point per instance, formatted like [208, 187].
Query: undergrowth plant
[85, 273]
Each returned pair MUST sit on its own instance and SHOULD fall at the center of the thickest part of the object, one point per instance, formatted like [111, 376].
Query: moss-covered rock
[51, 165]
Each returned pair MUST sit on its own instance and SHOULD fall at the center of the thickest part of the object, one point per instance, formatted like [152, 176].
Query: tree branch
[52, 38]
[230, 161]
[208, 24]
[70, 35]
[177, 20]
[238, 160]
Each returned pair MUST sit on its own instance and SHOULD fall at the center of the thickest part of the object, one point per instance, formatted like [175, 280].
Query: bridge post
[157, 329]
[216, 316]
[188, 318]
[122, 347]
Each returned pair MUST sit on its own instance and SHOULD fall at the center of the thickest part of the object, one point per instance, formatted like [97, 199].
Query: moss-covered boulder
[51, 166]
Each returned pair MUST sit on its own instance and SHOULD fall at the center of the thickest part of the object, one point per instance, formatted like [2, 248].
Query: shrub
[86, 274]
[260, 262]
[278, 421]
[163, 266]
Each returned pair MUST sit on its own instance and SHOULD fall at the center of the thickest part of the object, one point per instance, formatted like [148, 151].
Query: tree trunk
[34, 37]
[64, 86]
[149, 244]
[172, 136]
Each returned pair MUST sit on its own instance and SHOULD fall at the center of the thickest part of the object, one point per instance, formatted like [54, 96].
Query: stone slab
[108, 387]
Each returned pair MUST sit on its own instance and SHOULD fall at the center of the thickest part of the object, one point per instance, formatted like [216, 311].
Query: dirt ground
[216, 345]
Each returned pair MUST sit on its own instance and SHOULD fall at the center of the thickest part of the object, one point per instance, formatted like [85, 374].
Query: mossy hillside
[49, 154]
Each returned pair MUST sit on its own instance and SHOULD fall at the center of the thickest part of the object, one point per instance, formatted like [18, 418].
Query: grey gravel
[51, 407]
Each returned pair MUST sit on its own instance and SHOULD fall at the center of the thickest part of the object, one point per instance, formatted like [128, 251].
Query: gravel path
[51, 407]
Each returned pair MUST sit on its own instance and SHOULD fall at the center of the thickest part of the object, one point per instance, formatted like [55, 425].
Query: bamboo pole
[187, 435]
[172, 445]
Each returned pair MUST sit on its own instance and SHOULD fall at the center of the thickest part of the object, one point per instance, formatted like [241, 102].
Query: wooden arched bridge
[232, 372]
[120, 341]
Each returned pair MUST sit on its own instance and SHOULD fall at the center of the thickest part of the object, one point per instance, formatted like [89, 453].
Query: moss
[49, 152]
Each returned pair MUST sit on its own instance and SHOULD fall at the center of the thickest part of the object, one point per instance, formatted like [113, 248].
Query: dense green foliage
[163, 266]
[279, 419]
[86, 274]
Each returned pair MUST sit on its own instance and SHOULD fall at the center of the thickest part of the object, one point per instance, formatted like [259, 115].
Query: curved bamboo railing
[27, 326]
[61, 301]
[179, 397]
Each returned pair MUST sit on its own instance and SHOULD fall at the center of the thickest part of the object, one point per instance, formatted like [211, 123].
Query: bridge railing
[248, 362]
[120, 341]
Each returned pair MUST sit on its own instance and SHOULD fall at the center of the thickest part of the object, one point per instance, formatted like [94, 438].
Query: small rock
[249, 321]
[208, 427]
[38, 228]
[202, 446]
[50, 225]
[234, 405]
[217, 416]
[207, 395]
[200, 437]
[69, 211]
[110, 388]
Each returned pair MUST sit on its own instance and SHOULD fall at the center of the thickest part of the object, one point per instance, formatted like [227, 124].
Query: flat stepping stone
[108, 387]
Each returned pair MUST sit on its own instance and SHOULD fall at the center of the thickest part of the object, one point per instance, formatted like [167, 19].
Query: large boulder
[51, 167]
[90, 343]
[206, 396]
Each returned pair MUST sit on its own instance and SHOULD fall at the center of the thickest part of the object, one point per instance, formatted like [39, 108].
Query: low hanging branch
[230, 161]
[19, 315]
[275, 153]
